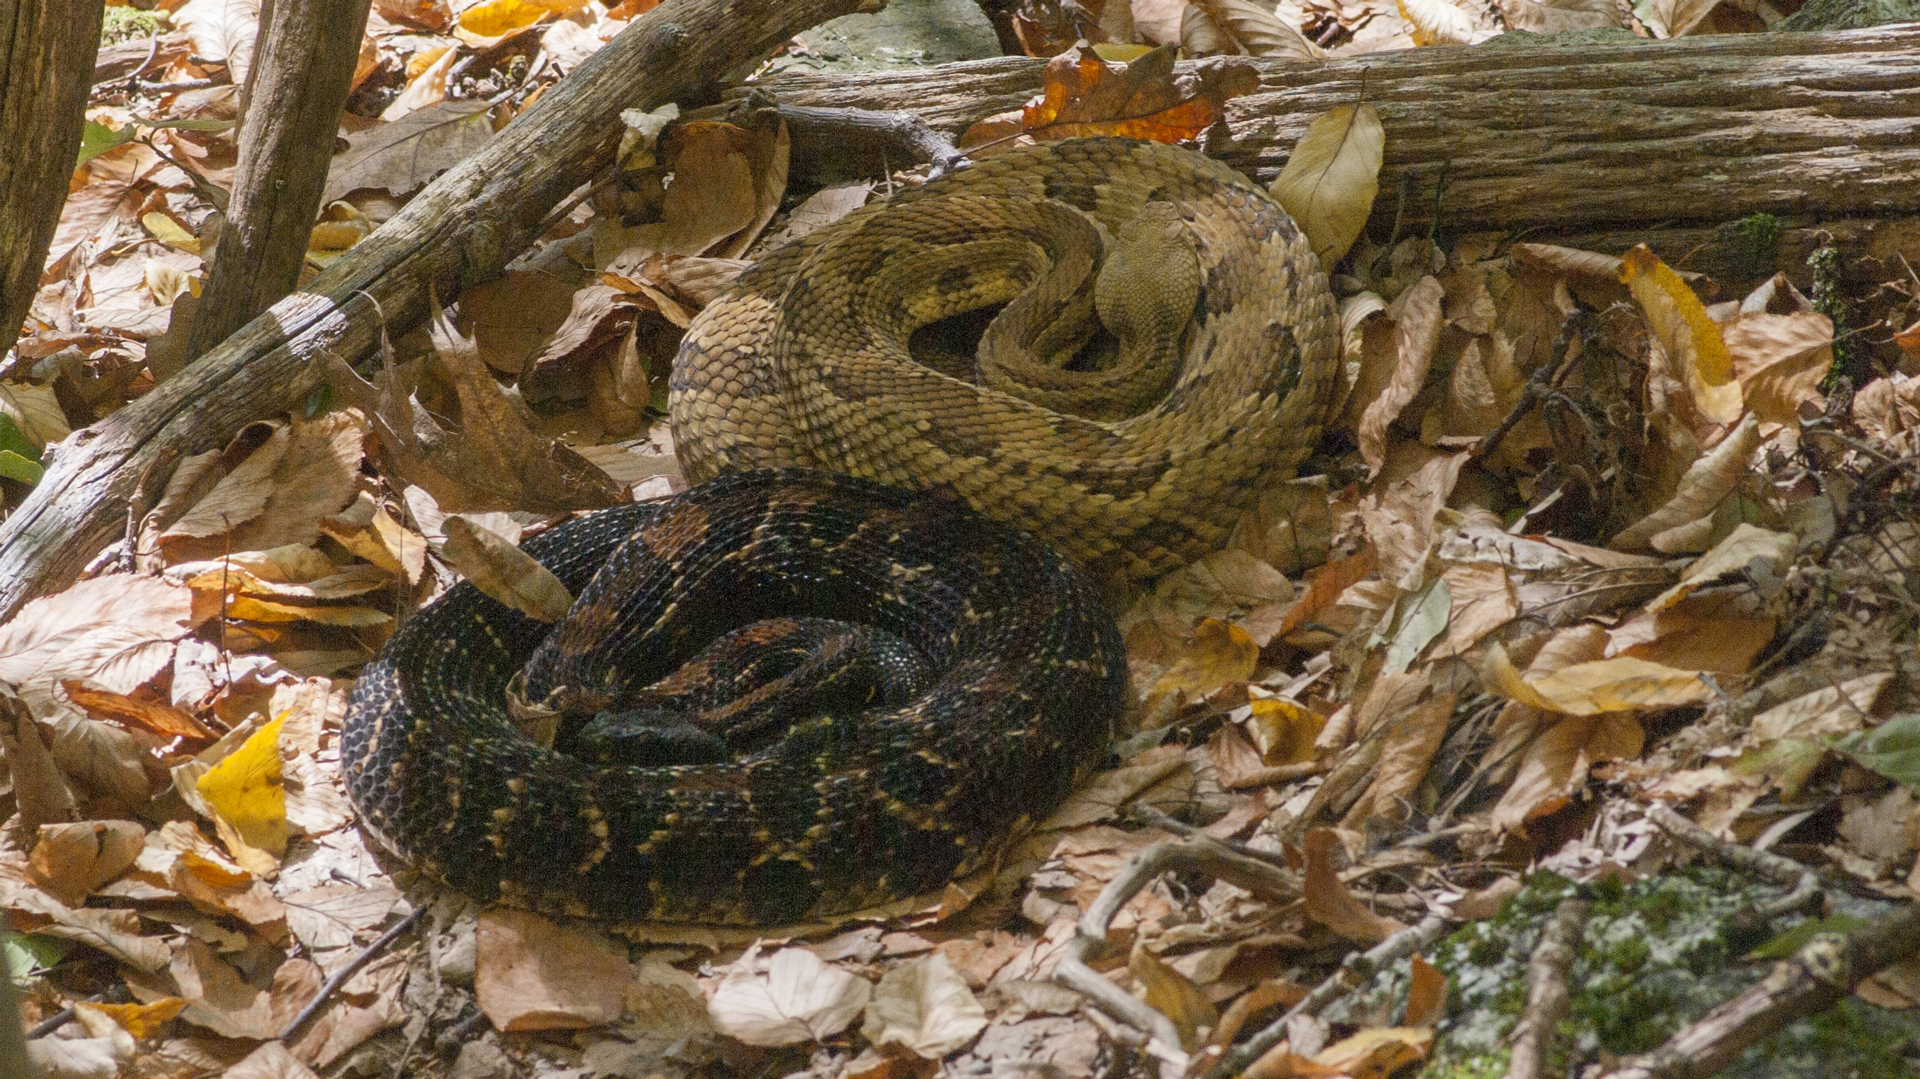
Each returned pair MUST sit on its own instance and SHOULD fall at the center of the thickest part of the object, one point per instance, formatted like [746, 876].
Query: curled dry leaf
[1620, 684]
[788, 998]
[1330, 180]
[1410, 745]
[71, 860]
[504, 571]
[923, 1007]
[1218, 655]
[1554, 765]
[102, 1054]
[1743, 546]
[1327, 900]
[533, 974]
[1691, 339]
[1416, 335]
[1174, 995]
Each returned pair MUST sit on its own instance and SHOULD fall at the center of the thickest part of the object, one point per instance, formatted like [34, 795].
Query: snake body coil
[1130, 457]
[839, 813]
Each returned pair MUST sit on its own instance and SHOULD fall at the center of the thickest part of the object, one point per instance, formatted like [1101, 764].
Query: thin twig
[340, 976]
[1355, 971]
[1548, 999]
[1542, 382]
[1201, 855]
[1804, 882]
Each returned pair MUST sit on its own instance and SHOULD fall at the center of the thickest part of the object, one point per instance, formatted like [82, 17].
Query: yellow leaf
[168, 231]
[1219, 654]
[144, 1020]
[1284, 731]
[261, 610]
[1329, 183]
[244, 791]
[1620, 684]
[1692, 339]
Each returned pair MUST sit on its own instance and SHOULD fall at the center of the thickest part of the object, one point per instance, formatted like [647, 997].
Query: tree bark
[458, 232]
[1693, 130]
[46, 68]
[298, 82]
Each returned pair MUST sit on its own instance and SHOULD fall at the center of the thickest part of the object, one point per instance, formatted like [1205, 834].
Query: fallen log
[1559, 136]
[461, 230]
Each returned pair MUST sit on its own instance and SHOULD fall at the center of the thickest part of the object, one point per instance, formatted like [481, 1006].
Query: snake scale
[867, 477]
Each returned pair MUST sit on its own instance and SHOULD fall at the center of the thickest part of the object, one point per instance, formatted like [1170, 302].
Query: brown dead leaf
[270, 1061]
[1410, 745]
[1324, 587]
[71, 860]
[1417, 327]
[1608, 685]
[504, 571]
[1482, 600]
[1780, 360]
[532, 974]
[1377, 1052]
[1327, 900]
[1426, 992]
[1553, 768]
[1284, 730]
[117, 932]
[40, 791]
[1331, 178]
[152, 717]
[116, 631]
[1708, 480]
[491, 461]
[1742, 547]
[1171, 994]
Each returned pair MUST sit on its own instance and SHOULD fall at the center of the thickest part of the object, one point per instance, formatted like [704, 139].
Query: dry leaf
[1742, 547]
[1426, 992]
[923, 1007]
[532, 974]
[1691, 339]
[1780, 361]
[1173, 995]
[1608, 685]
[504, 571]
[1327, 900]
[1416, 335]
[788, 998]
[71, 860]
[115, 631]
[1708, 480]
[1408, 750]
[1436, 22]
[1554, 766]
[1083, 95]
[1257, 30]
[1332, 176]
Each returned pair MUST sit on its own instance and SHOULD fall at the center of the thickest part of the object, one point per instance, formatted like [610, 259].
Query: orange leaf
[1426, 994]
[162, 719]
[1324, 586]
[1083, 95]
[1328, 901]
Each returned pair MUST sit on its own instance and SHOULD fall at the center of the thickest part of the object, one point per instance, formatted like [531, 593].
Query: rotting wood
[1694, 130]
[458, 232]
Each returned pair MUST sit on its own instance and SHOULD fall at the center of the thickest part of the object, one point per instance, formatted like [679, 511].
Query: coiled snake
[1214, 350]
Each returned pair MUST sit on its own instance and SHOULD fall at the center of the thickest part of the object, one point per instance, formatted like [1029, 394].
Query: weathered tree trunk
[458, 232]
[1694, 130]
[46, 64]
[299, 80]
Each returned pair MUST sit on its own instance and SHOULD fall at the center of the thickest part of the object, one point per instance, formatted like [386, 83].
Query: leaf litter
[1583, 538]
